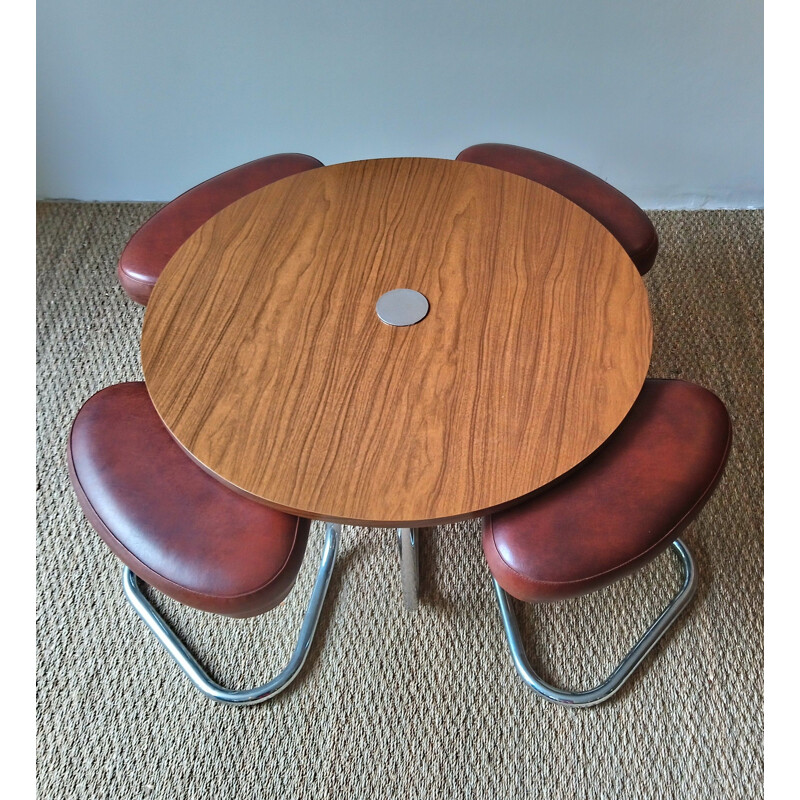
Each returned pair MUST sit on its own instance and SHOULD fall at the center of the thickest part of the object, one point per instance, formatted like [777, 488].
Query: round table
[265, 357]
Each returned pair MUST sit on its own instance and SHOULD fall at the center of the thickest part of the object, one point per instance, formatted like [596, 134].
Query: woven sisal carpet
[392, 704]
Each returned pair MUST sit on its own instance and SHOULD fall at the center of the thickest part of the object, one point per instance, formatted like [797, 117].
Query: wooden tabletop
[264, 355]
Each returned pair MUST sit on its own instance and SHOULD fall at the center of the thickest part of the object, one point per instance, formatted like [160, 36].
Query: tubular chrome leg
[612, 684]
[195, 672]
[409, 566]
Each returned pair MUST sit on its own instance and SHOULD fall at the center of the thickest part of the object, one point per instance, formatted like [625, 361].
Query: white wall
[140, 100]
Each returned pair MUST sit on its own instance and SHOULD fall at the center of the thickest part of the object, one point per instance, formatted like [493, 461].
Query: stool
[629, 225]
[611, 515]
[180, 530]
[154, 244]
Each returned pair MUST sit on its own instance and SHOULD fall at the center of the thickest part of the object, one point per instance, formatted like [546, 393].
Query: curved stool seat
[180, 530]
[618, 213]
[613, 514]
[152, 246]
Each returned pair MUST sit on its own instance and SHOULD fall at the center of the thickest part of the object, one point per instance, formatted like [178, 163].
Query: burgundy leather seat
[622, 507]
[152, 246]
[623, 218]
[611, 515]
[171, 523]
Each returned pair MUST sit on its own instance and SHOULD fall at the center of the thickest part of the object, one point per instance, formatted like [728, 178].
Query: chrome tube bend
[187, 662]
[612, 684]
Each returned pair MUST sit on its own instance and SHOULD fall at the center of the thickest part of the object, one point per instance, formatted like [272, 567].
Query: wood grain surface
[265, 358]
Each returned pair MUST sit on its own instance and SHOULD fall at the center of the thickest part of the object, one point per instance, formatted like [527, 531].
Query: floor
[391, 703]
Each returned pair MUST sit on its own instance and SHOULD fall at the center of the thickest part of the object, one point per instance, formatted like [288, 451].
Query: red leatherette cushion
[174, 525]
[623, 506]
[152, 246]
[623, 218]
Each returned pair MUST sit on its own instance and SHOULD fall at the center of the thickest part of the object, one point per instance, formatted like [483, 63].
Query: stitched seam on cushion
[651, 251]
[677, 527]
[156, 572]
[170, 582]
[102, 521]
[130, 277]
[241, 493]
[208, 180]
[653, 245]
[283, 566]
[611, 190]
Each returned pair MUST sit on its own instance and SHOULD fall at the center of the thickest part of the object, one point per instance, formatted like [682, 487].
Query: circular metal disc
[402, 307]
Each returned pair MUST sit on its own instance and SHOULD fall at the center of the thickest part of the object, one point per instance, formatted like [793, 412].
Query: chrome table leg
[407, 542]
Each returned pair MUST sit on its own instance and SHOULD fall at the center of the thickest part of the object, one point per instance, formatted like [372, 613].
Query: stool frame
[189, 664]
[627, 666]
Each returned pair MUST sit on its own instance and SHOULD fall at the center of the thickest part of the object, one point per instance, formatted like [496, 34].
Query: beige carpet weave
[392, 704]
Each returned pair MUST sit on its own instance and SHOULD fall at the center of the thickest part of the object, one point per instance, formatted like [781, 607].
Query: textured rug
[390, 703]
